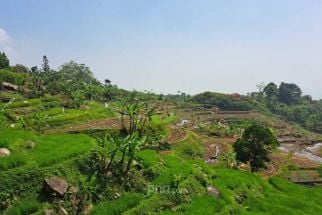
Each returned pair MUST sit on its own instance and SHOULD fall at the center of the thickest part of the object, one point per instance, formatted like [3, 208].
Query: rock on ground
[56, 185]
[4, 152]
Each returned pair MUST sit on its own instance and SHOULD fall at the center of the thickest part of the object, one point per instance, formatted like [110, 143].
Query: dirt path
[93, 125]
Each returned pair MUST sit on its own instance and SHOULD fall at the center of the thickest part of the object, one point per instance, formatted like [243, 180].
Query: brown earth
[176, 135]
[222, 143]
[113, 123]
[302, 162]
[274, 166]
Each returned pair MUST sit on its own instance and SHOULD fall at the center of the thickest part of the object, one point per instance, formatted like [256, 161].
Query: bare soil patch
[176, 135]
[93, 125]
[303, 162]
[220, 144]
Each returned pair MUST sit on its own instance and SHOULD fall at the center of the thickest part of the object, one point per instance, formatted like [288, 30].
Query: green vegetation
[118, 206]
[254, 146]
[4, 61]
[46, 150]
[123, 152]
[223, 101]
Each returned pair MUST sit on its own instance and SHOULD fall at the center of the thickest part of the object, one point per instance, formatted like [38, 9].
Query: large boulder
[9, 86]
[4, 152]
[56, 185]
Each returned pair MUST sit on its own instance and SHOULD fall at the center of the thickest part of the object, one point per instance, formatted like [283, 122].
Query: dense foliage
[254, 146]
[223, 101]
[4, 61]
[287, 101]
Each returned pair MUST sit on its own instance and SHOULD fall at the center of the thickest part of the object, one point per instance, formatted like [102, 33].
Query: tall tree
[254, 146]
[271, 93]
[4, 61]
[45, 64]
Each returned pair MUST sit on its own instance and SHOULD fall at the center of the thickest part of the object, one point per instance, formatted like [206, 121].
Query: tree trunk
[128, 166]
[122, 161]
[110, 162]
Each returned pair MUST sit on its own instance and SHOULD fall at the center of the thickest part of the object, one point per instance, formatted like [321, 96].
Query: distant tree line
[287, 100]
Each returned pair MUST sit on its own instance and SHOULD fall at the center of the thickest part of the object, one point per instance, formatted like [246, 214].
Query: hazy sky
[170, 45]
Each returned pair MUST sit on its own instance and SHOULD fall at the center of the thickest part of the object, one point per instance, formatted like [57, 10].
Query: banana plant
[135, 144]
[39, 122]
[23, 122]
[134, 115]
[3, 108]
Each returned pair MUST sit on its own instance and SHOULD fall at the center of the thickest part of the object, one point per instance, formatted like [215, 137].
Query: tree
[4, 61]
[77, 97]
[20, 69]
[254, 146]
[289, 93]
[34, 70]
[107, 81]
[45, 64]
[260, 88]
[72, 91]
[76, 73]
[271, 93]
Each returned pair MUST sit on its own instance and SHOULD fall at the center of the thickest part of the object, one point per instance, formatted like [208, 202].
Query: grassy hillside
[137, 153]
